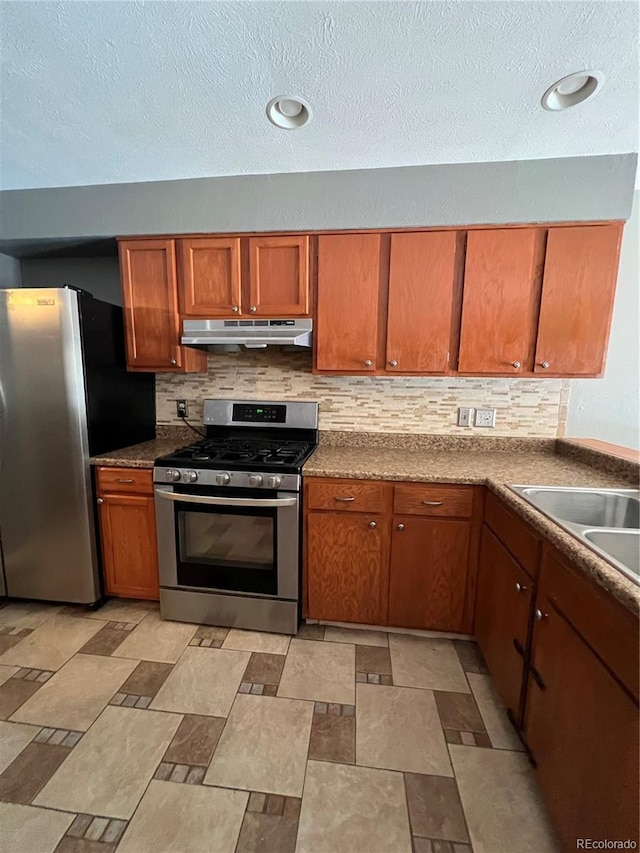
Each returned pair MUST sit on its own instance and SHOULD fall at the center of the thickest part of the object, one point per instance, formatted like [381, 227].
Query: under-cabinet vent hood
[253, 334]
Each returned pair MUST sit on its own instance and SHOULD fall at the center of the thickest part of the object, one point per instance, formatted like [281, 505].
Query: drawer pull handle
[123, 480]
[100, 500]
[432, 503]
[400, 527]
[540, 615]
[372, 524]
[344, 500]
[520, 587]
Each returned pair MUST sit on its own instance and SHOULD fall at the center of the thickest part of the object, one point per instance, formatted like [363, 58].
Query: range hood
[253, 334]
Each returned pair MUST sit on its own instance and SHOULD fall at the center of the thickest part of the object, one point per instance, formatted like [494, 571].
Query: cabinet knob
[172, 361]
[544, 365]
[393, 363]
[234, 308]
[540, 615]
[253, 309]
[368, 363]
[400, 527]
[372, 524]
[517, 364]
[520, 587]
[100, 500]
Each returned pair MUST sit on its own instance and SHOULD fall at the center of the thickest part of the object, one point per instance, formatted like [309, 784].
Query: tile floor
[121, 731]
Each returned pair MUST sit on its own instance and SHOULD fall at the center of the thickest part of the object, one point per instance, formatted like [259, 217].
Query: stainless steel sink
[606, 520]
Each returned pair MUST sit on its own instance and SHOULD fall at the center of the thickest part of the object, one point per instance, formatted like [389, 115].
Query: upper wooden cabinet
[150, 301]
[209, 276]
[580, 275]
[279, 276]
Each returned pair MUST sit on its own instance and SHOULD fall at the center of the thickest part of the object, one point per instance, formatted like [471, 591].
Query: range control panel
[249, 413]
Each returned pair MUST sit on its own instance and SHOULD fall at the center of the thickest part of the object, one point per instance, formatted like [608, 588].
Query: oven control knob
[222, 479]
[255, 479]
[172, 475]
[190, 476]
[274, 482]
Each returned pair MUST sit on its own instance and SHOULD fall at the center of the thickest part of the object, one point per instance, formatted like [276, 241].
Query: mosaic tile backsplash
[525, 407]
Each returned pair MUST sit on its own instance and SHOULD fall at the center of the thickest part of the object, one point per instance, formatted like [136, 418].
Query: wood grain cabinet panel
[137, 481]
[580, 273]
[210, 276]
[279, 276]
[582, 729]
[504, 599]
[347, 567]
[428, 575]
[419, 499]
[345, 495]
[129, 550]
[346, 334]
[500, 300]
[422, 312]
[514, 533]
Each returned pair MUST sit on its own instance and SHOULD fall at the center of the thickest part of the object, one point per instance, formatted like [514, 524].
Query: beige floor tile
[13, 739]
[24, 829]
[321, 671]
[77, 693]
[108, 771]
[156, 639]
[257, 641]
[398, 728]
[500, 731]
[204, 681]
[6, 672]
[501, 802]
[179, 818]
[53, 643]
[263, 746]
[353, 810]
[27, 614]
[122, 610]
[361, 636]
[432, 664]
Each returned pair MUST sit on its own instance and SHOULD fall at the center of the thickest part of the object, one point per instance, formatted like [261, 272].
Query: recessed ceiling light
[288, 112]
[572, 90]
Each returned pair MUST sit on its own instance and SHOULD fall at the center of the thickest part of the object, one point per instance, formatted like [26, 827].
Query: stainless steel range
[228, 512]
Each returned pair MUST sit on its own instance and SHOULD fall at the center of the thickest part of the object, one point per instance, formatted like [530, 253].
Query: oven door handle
[197, 499]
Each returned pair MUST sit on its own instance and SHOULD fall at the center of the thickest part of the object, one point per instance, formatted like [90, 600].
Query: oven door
[228, 542]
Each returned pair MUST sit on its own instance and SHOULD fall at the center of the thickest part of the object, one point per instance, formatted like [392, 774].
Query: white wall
[609, 408]
[9, 271]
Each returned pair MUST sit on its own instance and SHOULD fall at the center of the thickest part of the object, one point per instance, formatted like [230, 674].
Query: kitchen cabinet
[150, 308]
[347, 556]
[127, 522]
[578, 290]
[209, 275]
[581, 726]
[279, 276]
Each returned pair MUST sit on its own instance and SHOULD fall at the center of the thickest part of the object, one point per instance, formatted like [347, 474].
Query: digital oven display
[259, 414]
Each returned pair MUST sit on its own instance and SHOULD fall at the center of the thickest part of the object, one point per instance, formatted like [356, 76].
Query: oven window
[230, 548]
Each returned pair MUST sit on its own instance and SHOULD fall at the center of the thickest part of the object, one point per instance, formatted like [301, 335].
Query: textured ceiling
[103, 92]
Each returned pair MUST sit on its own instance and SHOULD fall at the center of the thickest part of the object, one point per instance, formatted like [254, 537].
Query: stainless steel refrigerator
[65, 395]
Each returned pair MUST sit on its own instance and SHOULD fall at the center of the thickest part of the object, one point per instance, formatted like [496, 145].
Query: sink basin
[623, 546]
[587, 508]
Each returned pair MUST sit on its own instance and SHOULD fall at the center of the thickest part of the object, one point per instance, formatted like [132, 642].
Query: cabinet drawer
[449, 501]
[514, 533]
[138, 481]
[352, 496]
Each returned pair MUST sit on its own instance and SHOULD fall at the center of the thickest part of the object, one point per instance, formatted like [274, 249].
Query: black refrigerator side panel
[121, 406]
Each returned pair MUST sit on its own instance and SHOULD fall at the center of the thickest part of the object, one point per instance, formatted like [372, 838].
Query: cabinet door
[346, 335]
[150, 299]
[421, 302]
[347, 567]
[428, 576]
[129, 549]
[500, 300]
[582, 729]
[279, 276]
[580, 273]
[503, 610]
[210, 276]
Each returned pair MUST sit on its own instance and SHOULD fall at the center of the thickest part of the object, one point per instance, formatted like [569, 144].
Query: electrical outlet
[182, 408]
[485, 418]
[465, 416]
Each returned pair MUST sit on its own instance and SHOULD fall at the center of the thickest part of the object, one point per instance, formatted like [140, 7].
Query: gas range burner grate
[236, 450]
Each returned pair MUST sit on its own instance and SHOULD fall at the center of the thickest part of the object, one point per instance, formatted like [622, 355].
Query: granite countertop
[144, 454]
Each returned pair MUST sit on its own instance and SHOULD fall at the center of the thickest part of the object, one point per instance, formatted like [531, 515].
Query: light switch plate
[485, 418]
[465, 417]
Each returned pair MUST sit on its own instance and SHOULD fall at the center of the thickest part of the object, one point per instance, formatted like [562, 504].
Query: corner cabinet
[150, 303]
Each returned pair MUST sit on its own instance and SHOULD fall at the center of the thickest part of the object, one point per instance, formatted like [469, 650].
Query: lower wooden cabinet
[347, 559]
[128, 533]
